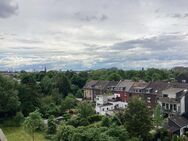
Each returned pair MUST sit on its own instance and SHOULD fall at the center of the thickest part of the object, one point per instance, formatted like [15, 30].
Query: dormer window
[165, 95]
[124, 88]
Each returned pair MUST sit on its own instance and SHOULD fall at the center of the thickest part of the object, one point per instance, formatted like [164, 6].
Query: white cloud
[86, 34]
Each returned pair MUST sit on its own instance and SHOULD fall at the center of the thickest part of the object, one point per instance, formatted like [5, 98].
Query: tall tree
[68, 103]
[9, 101]
[28, 79]
[46, 85]
[85, 109]
[78, 81]
[158, 117]
[29, 97]
[137, 119]
[51, 125]
[32, 123]
[114, 77]
[63, 84]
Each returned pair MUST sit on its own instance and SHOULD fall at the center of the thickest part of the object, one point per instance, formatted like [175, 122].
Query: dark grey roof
[112, 83]
[100, 84]
[139, 85]
[158, 86]
[173, 129]
[179, 85]
[180, 121]
[127, 84]
[90, 84]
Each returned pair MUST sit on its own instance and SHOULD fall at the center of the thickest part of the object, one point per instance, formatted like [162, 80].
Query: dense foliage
[9, 101]
[53, 94]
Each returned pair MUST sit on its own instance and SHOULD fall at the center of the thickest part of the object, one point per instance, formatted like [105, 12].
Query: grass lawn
[18, 134]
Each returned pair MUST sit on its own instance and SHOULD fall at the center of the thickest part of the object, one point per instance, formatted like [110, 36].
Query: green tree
[78, 81]
[85, 109]
[63, 84]
[49, 107]
[158, 117]
[9, 101]
[114, 77]
[118, 132]
[65, 132]
[19, 118]
[27, 78]
[32, 123]
[137, 119]
[79, 94]
[68, 103]
[46, 85]
[106, 121]
[29, 97]
[51, 125]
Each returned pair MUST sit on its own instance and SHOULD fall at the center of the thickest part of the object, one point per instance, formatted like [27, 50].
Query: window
[167, 106]
[124, 88]
[165, 95]
[102, 109]
[107, 108]
[171, 106]
[175, 107]
[163, 104]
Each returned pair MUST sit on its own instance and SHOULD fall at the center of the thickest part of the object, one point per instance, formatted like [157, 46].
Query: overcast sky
[92, 34]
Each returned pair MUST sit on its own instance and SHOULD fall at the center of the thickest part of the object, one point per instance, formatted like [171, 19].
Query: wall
[182, 105]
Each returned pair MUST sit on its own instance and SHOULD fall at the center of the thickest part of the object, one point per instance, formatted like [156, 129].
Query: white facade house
[105, 105]
[173, 101]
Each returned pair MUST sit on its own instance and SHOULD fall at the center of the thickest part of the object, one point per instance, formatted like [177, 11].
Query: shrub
[51, 125]
[19, 118]
[94, 118]
[106, 121]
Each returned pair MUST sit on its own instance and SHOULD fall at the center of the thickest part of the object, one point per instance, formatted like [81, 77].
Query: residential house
[156, 87]
[107, 104]
[149, 92]
[138, 88]
[182, 78]
[141, 89]
[172, 101]
[122, 89]
[98, 87]
[177, 124]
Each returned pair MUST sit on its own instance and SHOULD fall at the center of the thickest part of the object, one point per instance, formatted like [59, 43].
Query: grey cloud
[168, 51]
[186, 15]
[7, 8]
[87, 17]
[157, 43]
[178, 15]
[30, 41]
